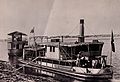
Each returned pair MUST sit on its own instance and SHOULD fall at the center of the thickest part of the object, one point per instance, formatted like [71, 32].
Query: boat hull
[69, 73]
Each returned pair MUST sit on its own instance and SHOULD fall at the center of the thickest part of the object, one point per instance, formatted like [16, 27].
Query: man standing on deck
[78, 60]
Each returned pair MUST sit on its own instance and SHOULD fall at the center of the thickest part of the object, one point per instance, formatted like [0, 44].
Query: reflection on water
[13, 61]
[106, 51]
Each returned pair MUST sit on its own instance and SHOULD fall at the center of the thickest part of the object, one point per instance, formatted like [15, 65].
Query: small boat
[79, 60]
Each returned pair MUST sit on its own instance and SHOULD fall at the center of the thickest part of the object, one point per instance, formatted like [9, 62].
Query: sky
[59, 17]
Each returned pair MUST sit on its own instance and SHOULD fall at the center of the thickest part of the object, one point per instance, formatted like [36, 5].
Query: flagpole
[111, 56]
[112, 46]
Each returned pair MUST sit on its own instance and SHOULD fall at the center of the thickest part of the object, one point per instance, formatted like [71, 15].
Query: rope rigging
[77, 27]
[73, 29]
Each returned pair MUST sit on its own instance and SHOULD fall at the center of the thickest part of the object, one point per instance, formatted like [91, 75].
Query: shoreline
[7, 74]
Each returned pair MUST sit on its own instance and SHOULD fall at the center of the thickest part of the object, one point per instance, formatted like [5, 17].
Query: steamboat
[79, 60]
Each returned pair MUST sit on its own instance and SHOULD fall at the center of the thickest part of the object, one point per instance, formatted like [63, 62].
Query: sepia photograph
[59, 41]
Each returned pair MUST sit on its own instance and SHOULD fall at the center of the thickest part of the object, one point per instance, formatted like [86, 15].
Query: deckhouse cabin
[83, 49]
[63, 50]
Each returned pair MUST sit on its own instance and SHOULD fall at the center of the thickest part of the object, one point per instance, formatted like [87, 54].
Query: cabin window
[17, 46]
[84, 48]
[55, 40]
[13, 46]
[94, 47]
[19, 38]
[20, 46]
[52, 48]
[45, 48]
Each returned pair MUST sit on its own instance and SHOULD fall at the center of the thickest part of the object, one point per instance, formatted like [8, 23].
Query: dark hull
[71, 74]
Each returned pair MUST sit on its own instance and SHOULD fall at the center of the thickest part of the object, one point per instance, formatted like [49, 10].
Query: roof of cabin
[69, 44]
[16, 32]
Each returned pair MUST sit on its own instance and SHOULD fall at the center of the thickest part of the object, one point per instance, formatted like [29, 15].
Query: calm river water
[106, 51]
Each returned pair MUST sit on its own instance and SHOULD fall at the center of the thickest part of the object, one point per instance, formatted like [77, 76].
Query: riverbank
[7, 74]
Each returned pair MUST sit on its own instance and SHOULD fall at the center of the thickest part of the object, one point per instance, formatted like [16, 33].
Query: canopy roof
[68, 44]
[18, 33]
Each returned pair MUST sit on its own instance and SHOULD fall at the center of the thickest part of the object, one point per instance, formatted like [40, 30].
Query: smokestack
[81, 35]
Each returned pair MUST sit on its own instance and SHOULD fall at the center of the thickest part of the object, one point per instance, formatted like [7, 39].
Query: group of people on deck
[86, 63]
